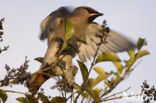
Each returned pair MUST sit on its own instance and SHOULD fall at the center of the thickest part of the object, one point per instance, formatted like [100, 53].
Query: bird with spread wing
[53, 29]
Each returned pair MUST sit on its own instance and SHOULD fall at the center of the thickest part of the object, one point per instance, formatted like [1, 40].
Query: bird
[85, 29]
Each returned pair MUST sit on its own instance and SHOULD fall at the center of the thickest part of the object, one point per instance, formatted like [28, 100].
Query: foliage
[5, 48]
[149, 93]
[3, 95]
[88, 90]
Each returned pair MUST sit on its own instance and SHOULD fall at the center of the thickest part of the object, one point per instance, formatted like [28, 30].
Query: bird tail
[36, 81]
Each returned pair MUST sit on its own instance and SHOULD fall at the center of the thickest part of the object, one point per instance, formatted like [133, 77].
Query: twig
[116, 93]
[103, 40]
[120, 97]
[41, 70]
[77, 97]
[46, 74]
[71, 99]
[72, 94]
[110, 89]
[5, 48]
[82, 100]
[125, 74]
[92, 64]
[53, 66]
[11, 91]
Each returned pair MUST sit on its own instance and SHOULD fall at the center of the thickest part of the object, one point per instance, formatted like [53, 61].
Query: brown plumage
[53, 28]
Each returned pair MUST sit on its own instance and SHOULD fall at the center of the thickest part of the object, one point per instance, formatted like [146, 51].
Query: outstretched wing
[51, 22]
[115, 42]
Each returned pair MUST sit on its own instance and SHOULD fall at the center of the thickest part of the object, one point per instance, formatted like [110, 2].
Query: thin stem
[65, 94]
[110, 89]
[62, 93]
[77, 97]
[11, 91]
[46, 74]
[73, 98]
[92, 64]
[56, 63]
[117, 93]
[82, 100]
[120, 97]
[103, 40]
[41, 70]
[72, 94]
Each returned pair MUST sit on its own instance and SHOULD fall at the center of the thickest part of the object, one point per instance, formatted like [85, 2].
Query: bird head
[89, 13]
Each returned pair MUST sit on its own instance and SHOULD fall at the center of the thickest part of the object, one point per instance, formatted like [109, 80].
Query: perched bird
[53, 28]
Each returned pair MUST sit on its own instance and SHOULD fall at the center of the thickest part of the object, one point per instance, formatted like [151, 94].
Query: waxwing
[53, 28]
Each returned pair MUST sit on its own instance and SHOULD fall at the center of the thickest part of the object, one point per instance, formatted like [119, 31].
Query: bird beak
[99, 14]
[96, 14]
[93, 16]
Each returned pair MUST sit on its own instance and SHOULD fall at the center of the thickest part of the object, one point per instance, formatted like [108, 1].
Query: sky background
[133, 18]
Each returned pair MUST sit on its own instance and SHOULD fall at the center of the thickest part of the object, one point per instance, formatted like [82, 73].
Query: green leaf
[75, 70]
[113, 82]
[22, 100]
[69, 29]
[90, 82]
[129, 62]
[140, 43]
[43, 98]
[39, 59]
[129, 70]
[98, 90]
[85, 94]
[119, 67]
[99, 70]
[64, 46]
[108, 83]
[102, 76]
[94, 94]
[3, 95]
[59, 100]
[97, 81]
[116, 80]
[142, 53]
[131, 53]
[84, 71]
[31, 99]
[108, 56]
[117, 64]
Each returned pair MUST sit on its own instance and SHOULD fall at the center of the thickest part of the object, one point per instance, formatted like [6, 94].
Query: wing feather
[49, 23]
[115, 42]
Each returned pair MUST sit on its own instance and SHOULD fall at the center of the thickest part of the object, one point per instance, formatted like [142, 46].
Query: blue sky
[134, 18]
